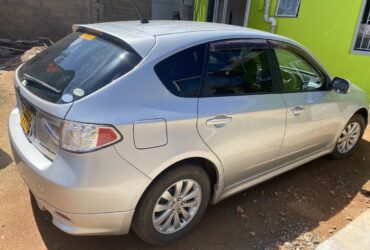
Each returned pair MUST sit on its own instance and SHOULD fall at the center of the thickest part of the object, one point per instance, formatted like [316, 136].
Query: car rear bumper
[88, 224]
[97, 191]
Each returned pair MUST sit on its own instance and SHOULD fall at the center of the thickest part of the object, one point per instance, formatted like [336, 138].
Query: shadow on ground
[277, 210]
[5, 159]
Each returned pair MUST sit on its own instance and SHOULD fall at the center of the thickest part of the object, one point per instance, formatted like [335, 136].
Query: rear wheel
[350, 137]
[173, 205]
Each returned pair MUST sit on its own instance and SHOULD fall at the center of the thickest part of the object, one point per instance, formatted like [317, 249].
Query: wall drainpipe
[267, 17]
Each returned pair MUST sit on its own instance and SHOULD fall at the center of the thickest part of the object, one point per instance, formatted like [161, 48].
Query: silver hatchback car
[128, 125]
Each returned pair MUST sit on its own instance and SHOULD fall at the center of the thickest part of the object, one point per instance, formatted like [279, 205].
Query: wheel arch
[204, 163]
[213, 170]
[363, 112]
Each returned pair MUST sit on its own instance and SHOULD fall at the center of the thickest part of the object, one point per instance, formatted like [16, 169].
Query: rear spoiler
[113, 39]
[140, 42]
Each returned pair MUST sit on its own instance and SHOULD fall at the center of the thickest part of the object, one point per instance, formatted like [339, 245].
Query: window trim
[270, 57]
[160, 60]
[359, 21]
[306, 57]
[287, 16]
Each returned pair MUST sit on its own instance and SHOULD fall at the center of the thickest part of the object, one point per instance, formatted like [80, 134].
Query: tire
[339, 152]
[186, 175]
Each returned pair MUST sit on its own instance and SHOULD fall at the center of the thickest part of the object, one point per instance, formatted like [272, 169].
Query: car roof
[142, 37]
[166, 27]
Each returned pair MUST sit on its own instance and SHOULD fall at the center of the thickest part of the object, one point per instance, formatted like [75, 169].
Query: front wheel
[173, 205]
[350, 137]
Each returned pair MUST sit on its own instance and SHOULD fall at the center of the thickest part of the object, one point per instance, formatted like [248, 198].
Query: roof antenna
[143, 19]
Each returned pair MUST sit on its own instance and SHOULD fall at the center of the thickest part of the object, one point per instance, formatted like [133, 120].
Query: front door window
[297, 74]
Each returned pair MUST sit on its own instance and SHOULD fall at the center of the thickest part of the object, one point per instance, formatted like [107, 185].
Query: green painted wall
[200, 10]
[327, 28]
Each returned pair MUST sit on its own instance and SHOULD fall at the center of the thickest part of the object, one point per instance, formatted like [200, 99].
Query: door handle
[219, 120]
[296, 111]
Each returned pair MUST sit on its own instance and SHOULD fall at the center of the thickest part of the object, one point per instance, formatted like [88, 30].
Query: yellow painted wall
[327, 28]
[200, 10]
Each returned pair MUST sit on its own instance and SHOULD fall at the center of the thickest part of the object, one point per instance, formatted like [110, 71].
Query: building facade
[337, 32]
[29, 19]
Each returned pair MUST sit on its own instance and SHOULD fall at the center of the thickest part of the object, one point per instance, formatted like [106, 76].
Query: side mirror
[341, 85]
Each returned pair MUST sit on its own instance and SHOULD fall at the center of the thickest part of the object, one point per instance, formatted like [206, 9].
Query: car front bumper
[87, 194]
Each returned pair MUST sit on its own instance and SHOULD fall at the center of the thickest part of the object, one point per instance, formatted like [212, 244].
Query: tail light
[50, 133]
[83, 137]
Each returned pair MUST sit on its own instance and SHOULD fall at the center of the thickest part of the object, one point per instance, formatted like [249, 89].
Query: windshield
[76, 66]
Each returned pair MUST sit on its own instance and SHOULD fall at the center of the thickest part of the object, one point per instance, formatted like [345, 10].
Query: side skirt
[238, 187]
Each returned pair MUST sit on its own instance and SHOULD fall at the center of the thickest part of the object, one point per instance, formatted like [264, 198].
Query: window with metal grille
[362, 42]
[287, 8]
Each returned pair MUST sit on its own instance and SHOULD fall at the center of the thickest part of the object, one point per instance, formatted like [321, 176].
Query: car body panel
[282, 166]
[112, 180]
[315, 127]
[110, 223]
[350, 103]
[77, 183]
[257, 128]
[150, 133]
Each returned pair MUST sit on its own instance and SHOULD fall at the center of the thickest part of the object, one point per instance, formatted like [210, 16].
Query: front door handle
[296, 111]
[219, 120]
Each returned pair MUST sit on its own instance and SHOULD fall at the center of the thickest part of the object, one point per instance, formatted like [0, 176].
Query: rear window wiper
[35, 80]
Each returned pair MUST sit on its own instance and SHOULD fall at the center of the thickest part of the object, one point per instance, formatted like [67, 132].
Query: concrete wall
[26, 19]
[119, 10]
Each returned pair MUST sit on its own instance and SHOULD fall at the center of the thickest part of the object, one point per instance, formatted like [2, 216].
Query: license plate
[26, 119]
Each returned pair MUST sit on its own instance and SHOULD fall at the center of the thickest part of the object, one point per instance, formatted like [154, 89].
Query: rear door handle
[296, 111]
[219, 120]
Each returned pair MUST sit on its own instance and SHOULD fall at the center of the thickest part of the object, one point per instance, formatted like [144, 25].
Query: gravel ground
[296, 210]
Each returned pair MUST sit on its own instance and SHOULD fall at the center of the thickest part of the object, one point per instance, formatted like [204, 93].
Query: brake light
[83, 137]
[106, 136]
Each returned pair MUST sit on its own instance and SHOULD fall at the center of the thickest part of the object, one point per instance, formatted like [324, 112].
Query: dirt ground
[296, 210]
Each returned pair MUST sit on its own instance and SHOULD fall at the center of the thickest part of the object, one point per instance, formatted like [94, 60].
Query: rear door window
[238, 67]
[77, 66]
[181, 73]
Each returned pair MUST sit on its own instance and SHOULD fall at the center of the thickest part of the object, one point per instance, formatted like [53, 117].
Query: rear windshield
[76, 66]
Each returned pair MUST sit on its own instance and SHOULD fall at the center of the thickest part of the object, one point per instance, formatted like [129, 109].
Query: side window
[287, 8]
[297, 74]
[237, 70]
[181, 73]
[362, 39]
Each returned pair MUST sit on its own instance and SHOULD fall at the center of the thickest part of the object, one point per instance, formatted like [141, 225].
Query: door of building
[172, 9]
[234, 12]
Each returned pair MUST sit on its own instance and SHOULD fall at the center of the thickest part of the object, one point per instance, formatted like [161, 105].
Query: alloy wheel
[177, 206]
[349, 137]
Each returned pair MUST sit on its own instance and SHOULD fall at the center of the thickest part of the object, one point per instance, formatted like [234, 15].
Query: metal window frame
[224, 12]
[290, 16]
[359, 21]
[215, 11]
[246, 14]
